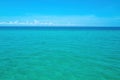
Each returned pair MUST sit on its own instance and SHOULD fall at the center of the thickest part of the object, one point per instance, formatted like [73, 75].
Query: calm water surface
[59, 55]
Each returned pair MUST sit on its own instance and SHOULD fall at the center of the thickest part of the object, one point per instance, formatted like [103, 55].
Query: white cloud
[89, 20]
[29, 23]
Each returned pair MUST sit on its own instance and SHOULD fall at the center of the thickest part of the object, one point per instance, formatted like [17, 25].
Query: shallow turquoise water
[59, 55]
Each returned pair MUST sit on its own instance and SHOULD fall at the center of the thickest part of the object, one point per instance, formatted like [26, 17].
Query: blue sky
[60, 12]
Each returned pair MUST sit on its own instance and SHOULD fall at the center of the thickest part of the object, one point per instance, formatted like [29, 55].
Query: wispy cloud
[26, 22]
[89, 20]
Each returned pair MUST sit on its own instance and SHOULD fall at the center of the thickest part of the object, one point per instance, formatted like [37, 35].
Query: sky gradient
[60, 12]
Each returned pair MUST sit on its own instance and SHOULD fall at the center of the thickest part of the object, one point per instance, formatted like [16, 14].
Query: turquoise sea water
[59, 55]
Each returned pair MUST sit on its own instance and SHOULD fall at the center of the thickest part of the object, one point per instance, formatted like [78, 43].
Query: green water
[59, 55]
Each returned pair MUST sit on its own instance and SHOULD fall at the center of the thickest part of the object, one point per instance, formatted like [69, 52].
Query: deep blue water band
[56, 28]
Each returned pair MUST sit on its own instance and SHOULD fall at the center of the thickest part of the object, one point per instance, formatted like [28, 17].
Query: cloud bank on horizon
[60, 21]
[60, 13]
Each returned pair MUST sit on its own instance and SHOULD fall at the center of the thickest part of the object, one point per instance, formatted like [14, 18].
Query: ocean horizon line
[62, 27]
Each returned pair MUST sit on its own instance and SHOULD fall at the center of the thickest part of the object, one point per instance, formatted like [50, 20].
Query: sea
[59, 53]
